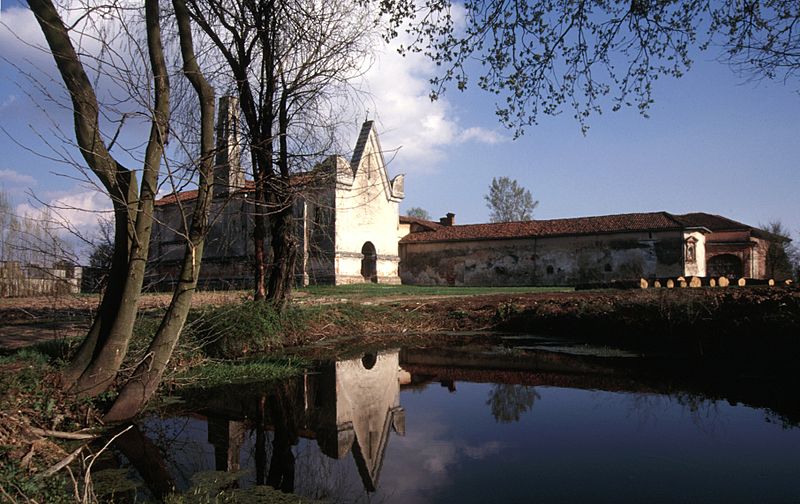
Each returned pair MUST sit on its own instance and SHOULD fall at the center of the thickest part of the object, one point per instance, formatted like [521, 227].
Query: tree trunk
[282, 464]
[147, 376]
[109, 305]
[118, 181]
[261, 441]
[284, 244]
[260, 256]
[284, 256]
[108, 358]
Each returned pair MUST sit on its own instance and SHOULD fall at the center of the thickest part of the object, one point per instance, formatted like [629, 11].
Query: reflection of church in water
[346, 407]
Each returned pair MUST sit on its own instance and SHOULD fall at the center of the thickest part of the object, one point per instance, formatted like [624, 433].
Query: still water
[415, 426]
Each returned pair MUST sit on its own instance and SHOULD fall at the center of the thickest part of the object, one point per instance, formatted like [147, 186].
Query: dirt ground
[27, 321]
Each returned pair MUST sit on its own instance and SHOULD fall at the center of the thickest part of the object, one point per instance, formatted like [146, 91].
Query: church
[345, 211]
[349, 230]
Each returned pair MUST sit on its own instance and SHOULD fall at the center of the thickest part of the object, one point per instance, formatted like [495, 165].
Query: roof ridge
[662, 212]
[361, 144]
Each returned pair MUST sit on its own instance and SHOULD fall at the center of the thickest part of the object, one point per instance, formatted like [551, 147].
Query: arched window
[369, 263]
[369, 360]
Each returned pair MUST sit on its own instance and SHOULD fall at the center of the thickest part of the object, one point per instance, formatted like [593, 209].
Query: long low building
[347, 228]
[580, 250]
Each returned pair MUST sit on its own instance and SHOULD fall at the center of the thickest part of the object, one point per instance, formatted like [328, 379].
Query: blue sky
[713, 143]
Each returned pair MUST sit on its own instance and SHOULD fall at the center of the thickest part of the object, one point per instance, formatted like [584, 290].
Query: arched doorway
[727, 265]
[369, 263]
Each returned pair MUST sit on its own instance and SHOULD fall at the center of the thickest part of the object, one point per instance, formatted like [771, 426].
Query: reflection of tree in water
[509, 402]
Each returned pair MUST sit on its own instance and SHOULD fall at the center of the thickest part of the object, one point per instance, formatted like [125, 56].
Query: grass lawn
[357, 291]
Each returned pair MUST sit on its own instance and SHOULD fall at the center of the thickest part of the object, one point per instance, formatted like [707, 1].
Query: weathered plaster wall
[758, 258]
[367, 397]
[564, 260]
[320, 225]
[335, 217]
[227, 257]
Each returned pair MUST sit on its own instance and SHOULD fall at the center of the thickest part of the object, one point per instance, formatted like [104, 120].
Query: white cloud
[8, 101]
[16, 179]
[78, 210]
[417, 462]
[21, 37]
[481, 135]
[423, 129]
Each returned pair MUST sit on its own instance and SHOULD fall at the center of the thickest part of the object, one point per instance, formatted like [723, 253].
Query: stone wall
[567, 260]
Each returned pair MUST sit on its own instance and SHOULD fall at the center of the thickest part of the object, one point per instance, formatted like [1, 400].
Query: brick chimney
[449, 220]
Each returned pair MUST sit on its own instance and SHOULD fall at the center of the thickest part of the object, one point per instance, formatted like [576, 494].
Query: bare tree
[144, 382]
[8, 226]
[287, 58]
[783, 259]
[100, 356]
[102, 352]
[31, 239]
[509, 402]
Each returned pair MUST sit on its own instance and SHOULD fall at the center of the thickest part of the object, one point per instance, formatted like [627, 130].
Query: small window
[549, 270]
[607, 268]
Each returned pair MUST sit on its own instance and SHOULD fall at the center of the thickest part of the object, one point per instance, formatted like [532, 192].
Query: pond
[486, 425]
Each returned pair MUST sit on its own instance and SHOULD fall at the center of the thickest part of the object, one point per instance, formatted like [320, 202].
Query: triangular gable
[368, 144]
[370, 464]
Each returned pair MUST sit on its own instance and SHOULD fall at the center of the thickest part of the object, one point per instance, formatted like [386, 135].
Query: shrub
[245, 328]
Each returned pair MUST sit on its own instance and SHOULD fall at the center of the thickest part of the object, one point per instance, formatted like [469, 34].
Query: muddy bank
[713, 318]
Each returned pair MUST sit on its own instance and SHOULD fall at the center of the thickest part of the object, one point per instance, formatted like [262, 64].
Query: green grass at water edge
[248, 327]
[215, 373]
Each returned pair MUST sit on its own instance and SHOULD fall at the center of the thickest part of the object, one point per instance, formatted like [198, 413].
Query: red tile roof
[719, 223]
[297, 181]
[710, 221]
[191, 195]
[654, 221]
[182, 196]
